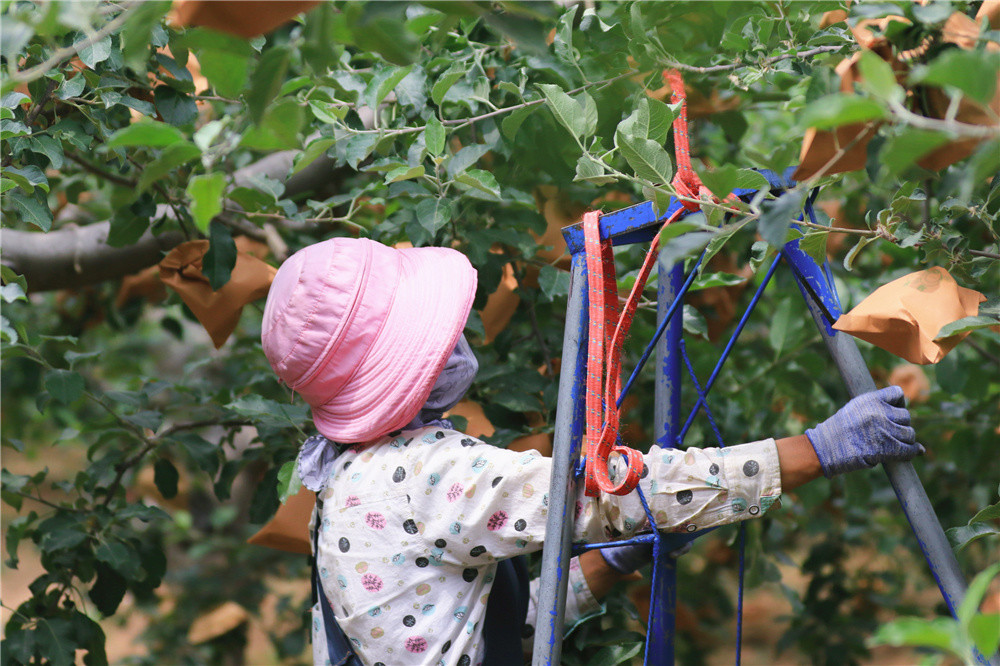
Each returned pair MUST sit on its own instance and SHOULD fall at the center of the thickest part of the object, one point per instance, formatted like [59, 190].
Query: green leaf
[328, 112]
[55, 641]
[966, 324]
[412, 90]
[266, 81]
[647, 158]
[974, 595]
[358, 147]
[71, 87]
[138, 30]
[433, 213]
[611, 655]
[661, 119]
[434, 136]
[165, 477]
[686, 245]
[878, 78]
[146, 132]
[974, 73]
[589, 118]
[592, 170]
[484, 181]
[12, 100]
[512, 123]
[404, 173]
[6, 184]
[940, 632]
[856, 250]
[907, 147]
[224, 59]
[175, 107]
[992, 512]
[92, 54]
[120, 556]
[108, 590]
[280, 128]
[289, 481]
[777, 332]
[553, 282]
[313, 151]
[126, 228]
[777, 216]
[465, 158]
[709, 280]
[840, 109]
[12, 292]
[722, 181]
[149, 419]
[269, 412]
[578, 120]
[814, 244]
[694, 322]
[169, 159]
[382, 84]
[387, 35]
[444, 82]
[28, 178]
[61, 532]
[205, 192]
[651, 120]
[984, 629]
[64, 386]
[220, 259]
[204, 453]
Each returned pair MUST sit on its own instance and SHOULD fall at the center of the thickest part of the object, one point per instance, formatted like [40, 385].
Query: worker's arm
[798, 462]
[601, 577]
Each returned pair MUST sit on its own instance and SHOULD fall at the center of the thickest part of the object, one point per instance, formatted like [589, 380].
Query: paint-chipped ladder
[638, 224]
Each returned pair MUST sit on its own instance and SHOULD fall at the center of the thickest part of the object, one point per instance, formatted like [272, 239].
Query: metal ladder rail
[634, 224]
[638, 224]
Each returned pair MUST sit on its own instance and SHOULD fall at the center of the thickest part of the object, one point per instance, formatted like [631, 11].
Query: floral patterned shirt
[412, 526]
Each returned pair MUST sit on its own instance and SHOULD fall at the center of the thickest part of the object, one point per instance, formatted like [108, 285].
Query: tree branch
[984, 253]
[75, 256]
[462, 122]
[97, 171]
[39, 70]
[808, 53]
[947, 125]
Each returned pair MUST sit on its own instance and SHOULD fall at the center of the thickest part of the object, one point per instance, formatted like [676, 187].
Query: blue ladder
[638, 224]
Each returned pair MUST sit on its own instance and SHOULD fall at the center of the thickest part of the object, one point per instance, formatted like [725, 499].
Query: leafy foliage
[447, 124]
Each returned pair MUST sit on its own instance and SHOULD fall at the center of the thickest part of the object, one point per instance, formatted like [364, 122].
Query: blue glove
[626, 559]
[872, 428]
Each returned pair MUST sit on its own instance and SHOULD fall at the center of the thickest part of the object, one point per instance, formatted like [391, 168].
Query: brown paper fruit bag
[218, 311]
[904, 316]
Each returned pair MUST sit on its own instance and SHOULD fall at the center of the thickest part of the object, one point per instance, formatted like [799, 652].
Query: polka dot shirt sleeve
[491, 500]
[689, 490]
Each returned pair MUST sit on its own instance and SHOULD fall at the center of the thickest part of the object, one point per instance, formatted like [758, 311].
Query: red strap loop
[608, 329]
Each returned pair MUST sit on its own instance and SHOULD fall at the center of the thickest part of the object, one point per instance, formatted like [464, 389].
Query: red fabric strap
[608, 329]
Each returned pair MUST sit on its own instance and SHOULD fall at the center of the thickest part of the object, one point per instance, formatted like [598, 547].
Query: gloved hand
[626, 559]
[872, 428]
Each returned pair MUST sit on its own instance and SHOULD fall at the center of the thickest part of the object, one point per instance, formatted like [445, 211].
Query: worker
[418, 527]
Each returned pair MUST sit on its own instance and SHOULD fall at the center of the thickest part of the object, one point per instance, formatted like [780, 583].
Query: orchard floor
[763, 627]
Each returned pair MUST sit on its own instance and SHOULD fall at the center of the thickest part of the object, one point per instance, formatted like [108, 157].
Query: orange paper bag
[904, 316]
[288, 530]
[218, 311]
[238, 17]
